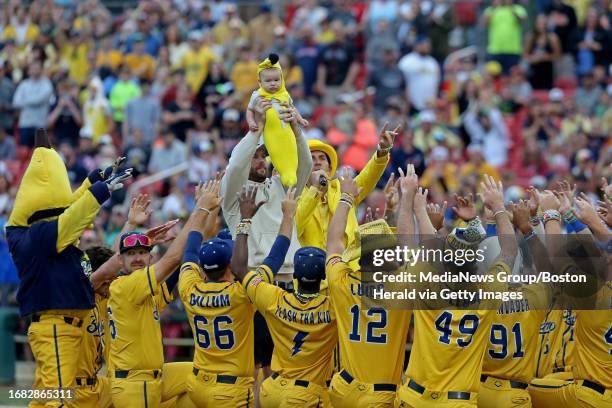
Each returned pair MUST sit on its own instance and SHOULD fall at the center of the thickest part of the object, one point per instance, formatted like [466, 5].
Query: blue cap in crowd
[309, 264]
[225, 234]
[216, 254]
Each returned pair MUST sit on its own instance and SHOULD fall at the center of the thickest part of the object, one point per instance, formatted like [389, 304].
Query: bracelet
[535, 220]
[551, 215]
[245, 221]
[496, 213]
[348, 203]
[384, 150]
[206, 210]
[348, 198]
[243, 228]
[569, 216]
[530, 235]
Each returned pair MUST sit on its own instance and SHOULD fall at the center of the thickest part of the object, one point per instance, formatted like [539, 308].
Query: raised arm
[335, 232]
[493, 197]
[207, 200]
[248, 208]
[405, 222]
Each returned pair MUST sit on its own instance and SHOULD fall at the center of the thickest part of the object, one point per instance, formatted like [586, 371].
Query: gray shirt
[167, 157]
[33, 98]
[143, 113]
[266, 222]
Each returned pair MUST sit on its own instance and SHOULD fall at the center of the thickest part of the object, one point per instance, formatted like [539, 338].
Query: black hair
[309, 287]
[98, 255]
[273, 58]
[216, 275]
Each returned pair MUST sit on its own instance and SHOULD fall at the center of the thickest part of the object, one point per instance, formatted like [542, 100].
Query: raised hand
[585, 211]
[436, 212]
[208, 196]
[465, 209]
[420, 199]
[116, 182]
[534, 201]
[369, 217]
[492, 194]
[348, 184]
[408, 182]
[605, 187]
[259, 111]
[520, 215]
[605, 211]
[548, 201]
[289, 203]
[163, 233]
[387, 137]
[246, 200]
[391, 193]
[139, 212]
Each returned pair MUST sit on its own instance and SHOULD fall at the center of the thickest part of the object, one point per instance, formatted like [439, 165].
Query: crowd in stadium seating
[521, 91]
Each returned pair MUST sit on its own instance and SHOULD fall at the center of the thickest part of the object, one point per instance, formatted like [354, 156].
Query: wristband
[348, 203]
[245, 220]
[551, 215]
[496, 213]
[535, 220]
[577, 225]
[243, 228]
[206, 210]
[384, 150]
[530, 235]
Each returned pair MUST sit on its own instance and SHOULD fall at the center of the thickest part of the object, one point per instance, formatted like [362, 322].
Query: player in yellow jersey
[139, 377]
[592, 360]
[372, 340]
[449, 345]
[302, 323]
[511, 358]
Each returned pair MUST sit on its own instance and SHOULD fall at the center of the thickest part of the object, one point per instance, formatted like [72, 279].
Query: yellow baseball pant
[53, 339]
[152, 388]
[277, 391]
[214, 390]
[500, 393]
[93, 392]
[347, 392]
[413, 395]
[550, 392]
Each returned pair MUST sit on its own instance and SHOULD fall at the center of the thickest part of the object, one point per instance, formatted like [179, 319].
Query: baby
[278, 135]
[271, 86]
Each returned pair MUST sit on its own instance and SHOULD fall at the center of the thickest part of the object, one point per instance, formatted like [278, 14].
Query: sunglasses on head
[136, 240]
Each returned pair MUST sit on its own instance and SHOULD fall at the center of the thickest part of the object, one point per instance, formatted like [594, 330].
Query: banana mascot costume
[54, 291]
[278, 135]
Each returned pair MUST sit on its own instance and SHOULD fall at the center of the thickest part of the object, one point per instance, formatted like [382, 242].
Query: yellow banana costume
[278, 135]
[54, 289]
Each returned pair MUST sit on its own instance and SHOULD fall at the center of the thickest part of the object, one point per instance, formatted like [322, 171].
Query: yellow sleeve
[259, 289]
[136, 287]
[78, 193]
[336, 268]
[307, 202]
[371, 173]
[81, 213]
[188, 278]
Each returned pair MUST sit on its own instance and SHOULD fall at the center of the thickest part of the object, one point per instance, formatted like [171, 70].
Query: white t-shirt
[422, 74]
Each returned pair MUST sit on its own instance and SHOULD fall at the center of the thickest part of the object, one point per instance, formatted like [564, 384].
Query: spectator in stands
[137, 152]
[382, 41]
[504, 21]
[407, 153]
[167, 154]
[440, 21]
[7, 90]
[222, 30]
[205, 20]
[260, 28]
[197, 59]
[97, 115]
[310, 14]
[7, 146]
[542, 49]
[151, 39]
[441, 174]
[65, 118]
[107, 55]
[74, 54]
[141, 64]
[33, 99]
[181, 115]
[478, 165]
[538, 127]
[422, 75]
[588, 94]
[143, 112]
[280, 45]
[122, 92]
[387, 10]
[429, 133]
[562, 20]
[307, 56]
[76, 171]
[592, 44]
[205, 161]
[488, 133]
[244, 74]
[21, 28]
[338, 67]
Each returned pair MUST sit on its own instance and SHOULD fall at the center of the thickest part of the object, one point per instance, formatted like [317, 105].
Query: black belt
[594, 386]
[299, 383]
[125, 373]
[452, 395]
[68, 319]
[513, 384]
[287, 286]
[86, 381]
[223, 379]
[377, 387]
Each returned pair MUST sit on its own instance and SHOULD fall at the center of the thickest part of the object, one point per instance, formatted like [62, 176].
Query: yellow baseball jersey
[92, 345]
[134, 305]
[592, 358]
[564, 350]
[375, 332]
[513, 341]
[221, 318]
[546, 343]
[449, 345]
[304, 334]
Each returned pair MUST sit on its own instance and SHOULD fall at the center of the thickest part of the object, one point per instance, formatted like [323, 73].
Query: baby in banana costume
[278, 135]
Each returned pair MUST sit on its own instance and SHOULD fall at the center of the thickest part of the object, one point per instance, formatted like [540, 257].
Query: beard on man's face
[258, 175]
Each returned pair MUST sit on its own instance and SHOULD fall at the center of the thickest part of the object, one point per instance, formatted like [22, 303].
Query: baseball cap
[216, 254]
[225, 234]
[309, 264]
[134, 239]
